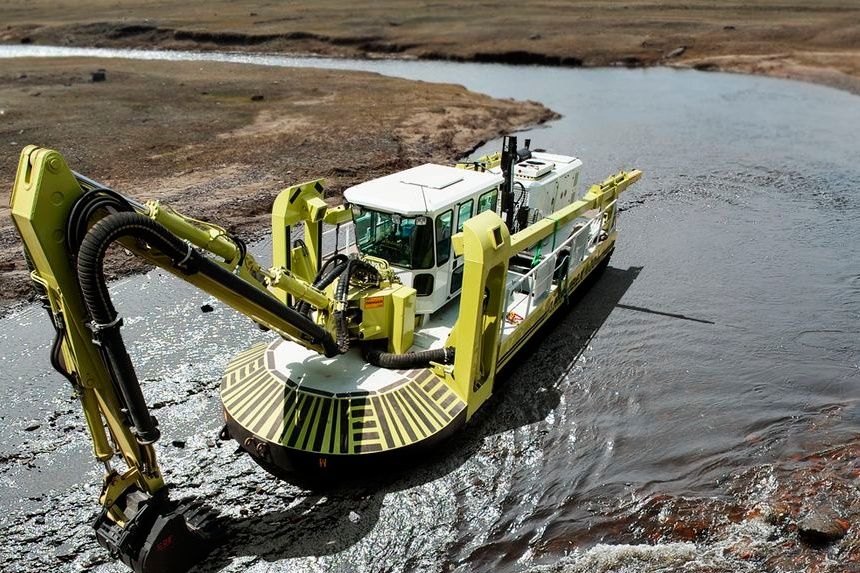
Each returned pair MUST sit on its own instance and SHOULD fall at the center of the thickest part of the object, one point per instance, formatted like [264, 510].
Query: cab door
[465, 211]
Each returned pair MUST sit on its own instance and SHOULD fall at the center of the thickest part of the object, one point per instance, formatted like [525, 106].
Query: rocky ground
[219, 141]
[814, 41]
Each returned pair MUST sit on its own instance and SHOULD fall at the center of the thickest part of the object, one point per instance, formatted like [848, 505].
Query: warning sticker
[374, 302]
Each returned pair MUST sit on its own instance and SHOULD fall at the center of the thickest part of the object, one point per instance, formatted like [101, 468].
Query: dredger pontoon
[390, 327]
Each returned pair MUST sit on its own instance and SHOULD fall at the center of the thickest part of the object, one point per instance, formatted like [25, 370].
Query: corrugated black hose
[106, 323]
[421, 359]
[354, 264]
[325, 277]
[84, 209]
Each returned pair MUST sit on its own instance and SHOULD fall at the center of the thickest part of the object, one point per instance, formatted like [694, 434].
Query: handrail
[548, 258]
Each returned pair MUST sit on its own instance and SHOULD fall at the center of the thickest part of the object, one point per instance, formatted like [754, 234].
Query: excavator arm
[67, 223]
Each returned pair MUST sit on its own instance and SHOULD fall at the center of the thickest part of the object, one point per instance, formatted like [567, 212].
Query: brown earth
[814, 41]
[190, 134]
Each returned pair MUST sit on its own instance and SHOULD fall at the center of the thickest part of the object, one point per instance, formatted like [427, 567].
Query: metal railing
[535, 284]
[338, 239]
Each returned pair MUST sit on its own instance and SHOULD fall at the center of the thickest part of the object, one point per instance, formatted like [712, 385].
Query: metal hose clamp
[97, 328]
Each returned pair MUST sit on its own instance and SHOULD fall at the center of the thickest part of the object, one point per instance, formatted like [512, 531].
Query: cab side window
[464, 214]
[487, 201]
[444, 222]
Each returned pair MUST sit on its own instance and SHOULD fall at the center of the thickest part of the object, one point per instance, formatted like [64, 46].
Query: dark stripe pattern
[276, 409]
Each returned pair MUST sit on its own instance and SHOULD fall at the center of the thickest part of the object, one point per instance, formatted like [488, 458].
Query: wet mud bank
[795, 515]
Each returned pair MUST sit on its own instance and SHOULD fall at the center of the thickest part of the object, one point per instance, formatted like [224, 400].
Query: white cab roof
[427, 188]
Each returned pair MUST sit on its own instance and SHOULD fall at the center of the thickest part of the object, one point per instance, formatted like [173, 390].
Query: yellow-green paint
[42, 196]
[486, 249]
[299, 203]
[483, 163]
[388, 313]
[403, 320]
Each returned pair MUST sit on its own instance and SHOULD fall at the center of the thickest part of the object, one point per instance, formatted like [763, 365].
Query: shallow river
[724, 336]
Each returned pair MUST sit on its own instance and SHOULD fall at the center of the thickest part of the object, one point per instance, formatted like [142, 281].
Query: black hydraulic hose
[354, 264]
[106, 324]
[328, 275]
[421, 359]
[315, 333]
[330, 266]
[340, 314]
[325, 277]
[84, 209]
[59, 327]
[57, 354]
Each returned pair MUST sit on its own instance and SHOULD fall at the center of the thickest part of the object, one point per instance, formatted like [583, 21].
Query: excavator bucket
[162, 537]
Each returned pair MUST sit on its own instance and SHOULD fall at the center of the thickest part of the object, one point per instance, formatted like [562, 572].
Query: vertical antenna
[509, 159]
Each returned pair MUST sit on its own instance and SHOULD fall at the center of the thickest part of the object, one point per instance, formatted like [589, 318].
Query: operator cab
[407, 218]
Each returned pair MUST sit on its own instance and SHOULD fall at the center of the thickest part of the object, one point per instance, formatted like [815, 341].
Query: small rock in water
[178, 443]
[821, 525]
[257, 97]
[32, 427]
[354, 517]
[207, 308]
[99, 76]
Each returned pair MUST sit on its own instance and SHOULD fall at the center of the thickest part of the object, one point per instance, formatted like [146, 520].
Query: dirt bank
[219, 141]
[813, 41]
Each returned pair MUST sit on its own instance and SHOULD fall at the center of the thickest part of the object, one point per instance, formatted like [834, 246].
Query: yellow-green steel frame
[487, 248]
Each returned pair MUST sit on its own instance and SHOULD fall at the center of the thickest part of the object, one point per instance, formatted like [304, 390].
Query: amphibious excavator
[391, 316]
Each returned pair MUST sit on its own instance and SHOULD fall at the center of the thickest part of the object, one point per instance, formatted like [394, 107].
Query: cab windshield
[402, 241]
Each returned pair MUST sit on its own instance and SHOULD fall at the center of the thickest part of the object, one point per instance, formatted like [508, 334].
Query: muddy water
[722, 339]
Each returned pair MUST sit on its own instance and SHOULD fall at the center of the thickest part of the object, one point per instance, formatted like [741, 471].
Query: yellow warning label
[374, 302]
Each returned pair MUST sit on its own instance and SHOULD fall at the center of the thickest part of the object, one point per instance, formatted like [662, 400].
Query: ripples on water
[722, 338]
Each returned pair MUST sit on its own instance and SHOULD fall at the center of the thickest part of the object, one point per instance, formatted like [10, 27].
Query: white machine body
[408, 217]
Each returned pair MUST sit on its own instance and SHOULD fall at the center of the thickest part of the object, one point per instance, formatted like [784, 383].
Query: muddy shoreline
[818, 43]
[219, 141]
